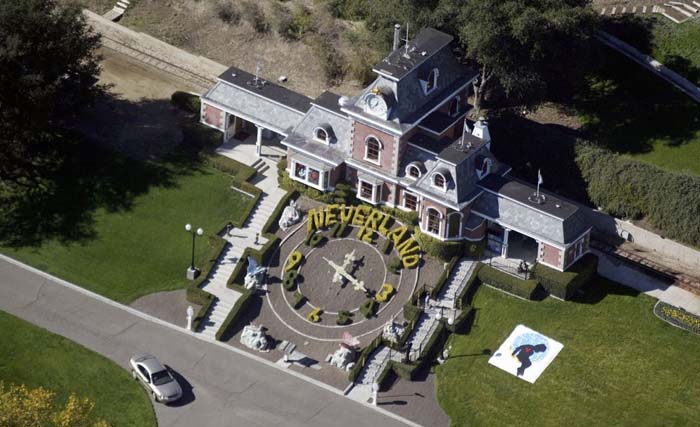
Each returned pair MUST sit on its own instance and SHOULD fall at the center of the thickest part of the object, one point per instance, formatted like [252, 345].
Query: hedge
[678, 316]
[229, 166]
[343, 318]
[368, 308]
[299, 300]
[238, 308]
[290, 280]
[340, 195]
[527, 289]
[630, 188]
[442, 278]
[444, 251]
[364, 355]
[434, 344]
[395, 265]
[564, 284]
[186, 101]
[411, 312]
[387, 246]
[463, 322]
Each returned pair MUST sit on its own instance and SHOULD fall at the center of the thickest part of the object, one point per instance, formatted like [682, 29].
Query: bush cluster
[342, 193]
[186, 101]
[331, 60]
[369, 308]
[299, 300]
[344, 318]
[528, 289]
[254, 15]
[227, 12]
[437, 248]
[563, 284]
[395, 265]
[633, 189]
[290, 280]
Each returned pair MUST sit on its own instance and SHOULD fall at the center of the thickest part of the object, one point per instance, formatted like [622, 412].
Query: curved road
[227, 388]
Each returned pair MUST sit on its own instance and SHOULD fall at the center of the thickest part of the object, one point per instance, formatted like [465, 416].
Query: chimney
[397, 36]
[481, 130]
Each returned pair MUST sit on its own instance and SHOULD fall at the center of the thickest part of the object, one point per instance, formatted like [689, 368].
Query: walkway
[652, 65]
[223, 386]
[618, 271]
[240, 238]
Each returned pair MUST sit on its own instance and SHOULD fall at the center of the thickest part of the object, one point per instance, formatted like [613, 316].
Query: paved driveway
[223, 388]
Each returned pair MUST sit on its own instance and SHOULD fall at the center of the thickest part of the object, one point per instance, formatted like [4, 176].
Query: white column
[504, 246]
[258, 142]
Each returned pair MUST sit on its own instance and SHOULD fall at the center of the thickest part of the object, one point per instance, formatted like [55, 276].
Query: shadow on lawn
[599, 288]
[99, 166]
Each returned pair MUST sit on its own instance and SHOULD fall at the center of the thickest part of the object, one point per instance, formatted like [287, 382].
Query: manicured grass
[140, 245]
[631, 111]
[35, 357]
[620, 364]
[678, 46]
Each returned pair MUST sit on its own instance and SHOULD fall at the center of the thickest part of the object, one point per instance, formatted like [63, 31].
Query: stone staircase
[458, 278]
[421, 334]
[238, 239]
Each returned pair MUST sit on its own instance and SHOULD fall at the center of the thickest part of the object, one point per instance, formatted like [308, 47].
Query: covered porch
[510, 251]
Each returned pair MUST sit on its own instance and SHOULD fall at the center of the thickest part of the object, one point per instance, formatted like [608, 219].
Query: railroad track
[189, 76]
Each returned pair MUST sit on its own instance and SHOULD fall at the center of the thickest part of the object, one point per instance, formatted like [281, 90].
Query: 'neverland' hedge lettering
[370, 220]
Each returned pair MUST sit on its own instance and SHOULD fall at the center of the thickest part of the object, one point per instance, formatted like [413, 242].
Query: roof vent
[557, 205]
[424, 53]
[344, 101]
[233, 75]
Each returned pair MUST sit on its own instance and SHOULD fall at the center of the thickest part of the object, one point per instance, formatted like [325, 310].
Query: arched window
[321, 135]
[372, 149]
[431, 84]
[454, 221]
[413, 171]
[439, 180]
[454, 106]
[433, 225]
[485, 168]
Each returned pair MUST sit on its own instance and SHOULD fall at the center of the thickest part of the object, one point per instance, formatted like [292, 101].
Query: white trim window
[373, 150]
[485, 168]
[368, 191]
[439, 181]
[454, 225]
[309, 175]
[410, 201]
[321, 135]
[431, 83]
[433, 222]
[413, 171]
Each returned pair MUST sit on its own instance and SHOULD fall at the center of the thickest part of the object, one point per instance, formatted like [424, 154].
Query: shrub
[254, 15]
[314, 239]
[186, 101]
[630, 188]
[290, 280]
[528, 289]
[227, 165]
[315, 315]
[236, 311]
[387, 246]
[334, 229]
[227, 12]
[301, 22]
[343, 318]
[196, 137]
[563, 284]
[403, 370]
[299, 300]
[364, 355]
[437, 248]
[395, 265]
[411, 312]
[281, 21]
[369, 308]
[474, 249]
[442, 279]
[341, 230]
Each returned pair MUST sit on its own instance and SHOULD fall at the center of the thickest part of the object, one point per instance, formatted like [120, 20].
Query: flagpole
[539, 179]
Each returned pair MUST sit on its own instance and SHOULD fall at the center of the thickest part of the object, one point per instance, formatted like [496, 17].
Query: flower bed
[678, 317]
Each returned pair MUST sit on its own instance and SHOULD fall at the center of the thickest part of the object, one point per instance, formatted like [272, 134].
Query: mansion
[405, 142]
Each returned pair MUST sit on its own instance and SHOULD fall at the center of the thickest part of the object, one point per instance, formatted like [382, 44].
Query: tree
[48, 73]
[24, 407]
[531, 48]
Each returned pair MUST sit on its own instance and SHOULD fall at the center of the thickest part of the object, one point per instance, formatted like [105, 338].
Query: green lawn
[634, 112]
[620, 365]
[678, 46]
[131, 224]
[35, 357]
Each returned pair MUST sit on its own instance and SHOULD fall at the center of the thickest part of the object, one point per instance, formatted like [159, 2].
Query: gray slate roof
[426, 43]
[302, 137]
[505, 200]
[268, 90]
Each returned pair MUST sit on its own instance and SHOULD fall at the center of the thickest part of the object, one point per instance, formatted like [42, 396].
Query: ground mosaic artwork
[526, 353]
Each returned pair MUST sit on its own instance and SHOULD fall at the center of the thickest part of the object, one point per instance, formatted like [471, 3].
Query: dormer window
[321, 135]
[430, 82]
[413, 170]
[454, 107]
[439, 181]
[484, 169]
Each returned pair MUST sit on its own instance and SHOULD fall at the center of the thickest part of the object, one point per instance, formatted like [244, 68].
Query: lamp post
[192, 272]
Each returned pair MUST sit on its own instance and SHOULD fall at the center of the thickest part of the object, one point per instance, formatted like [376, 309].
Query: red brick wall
[337, 174]
[476, 234]
[569, 254]
[213, 116]
[360, 134]
[387, 193]
[550, 255]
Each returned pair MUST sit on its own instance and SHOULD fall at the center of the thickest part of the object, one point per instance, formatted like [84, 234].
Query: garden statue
[255, 275]
[290, 216]
[343, 357]
[392, 331]
[254, 338]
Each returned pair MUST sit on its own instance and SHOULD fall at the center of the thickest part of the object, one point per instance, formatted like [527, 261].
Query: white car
[157, 379]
